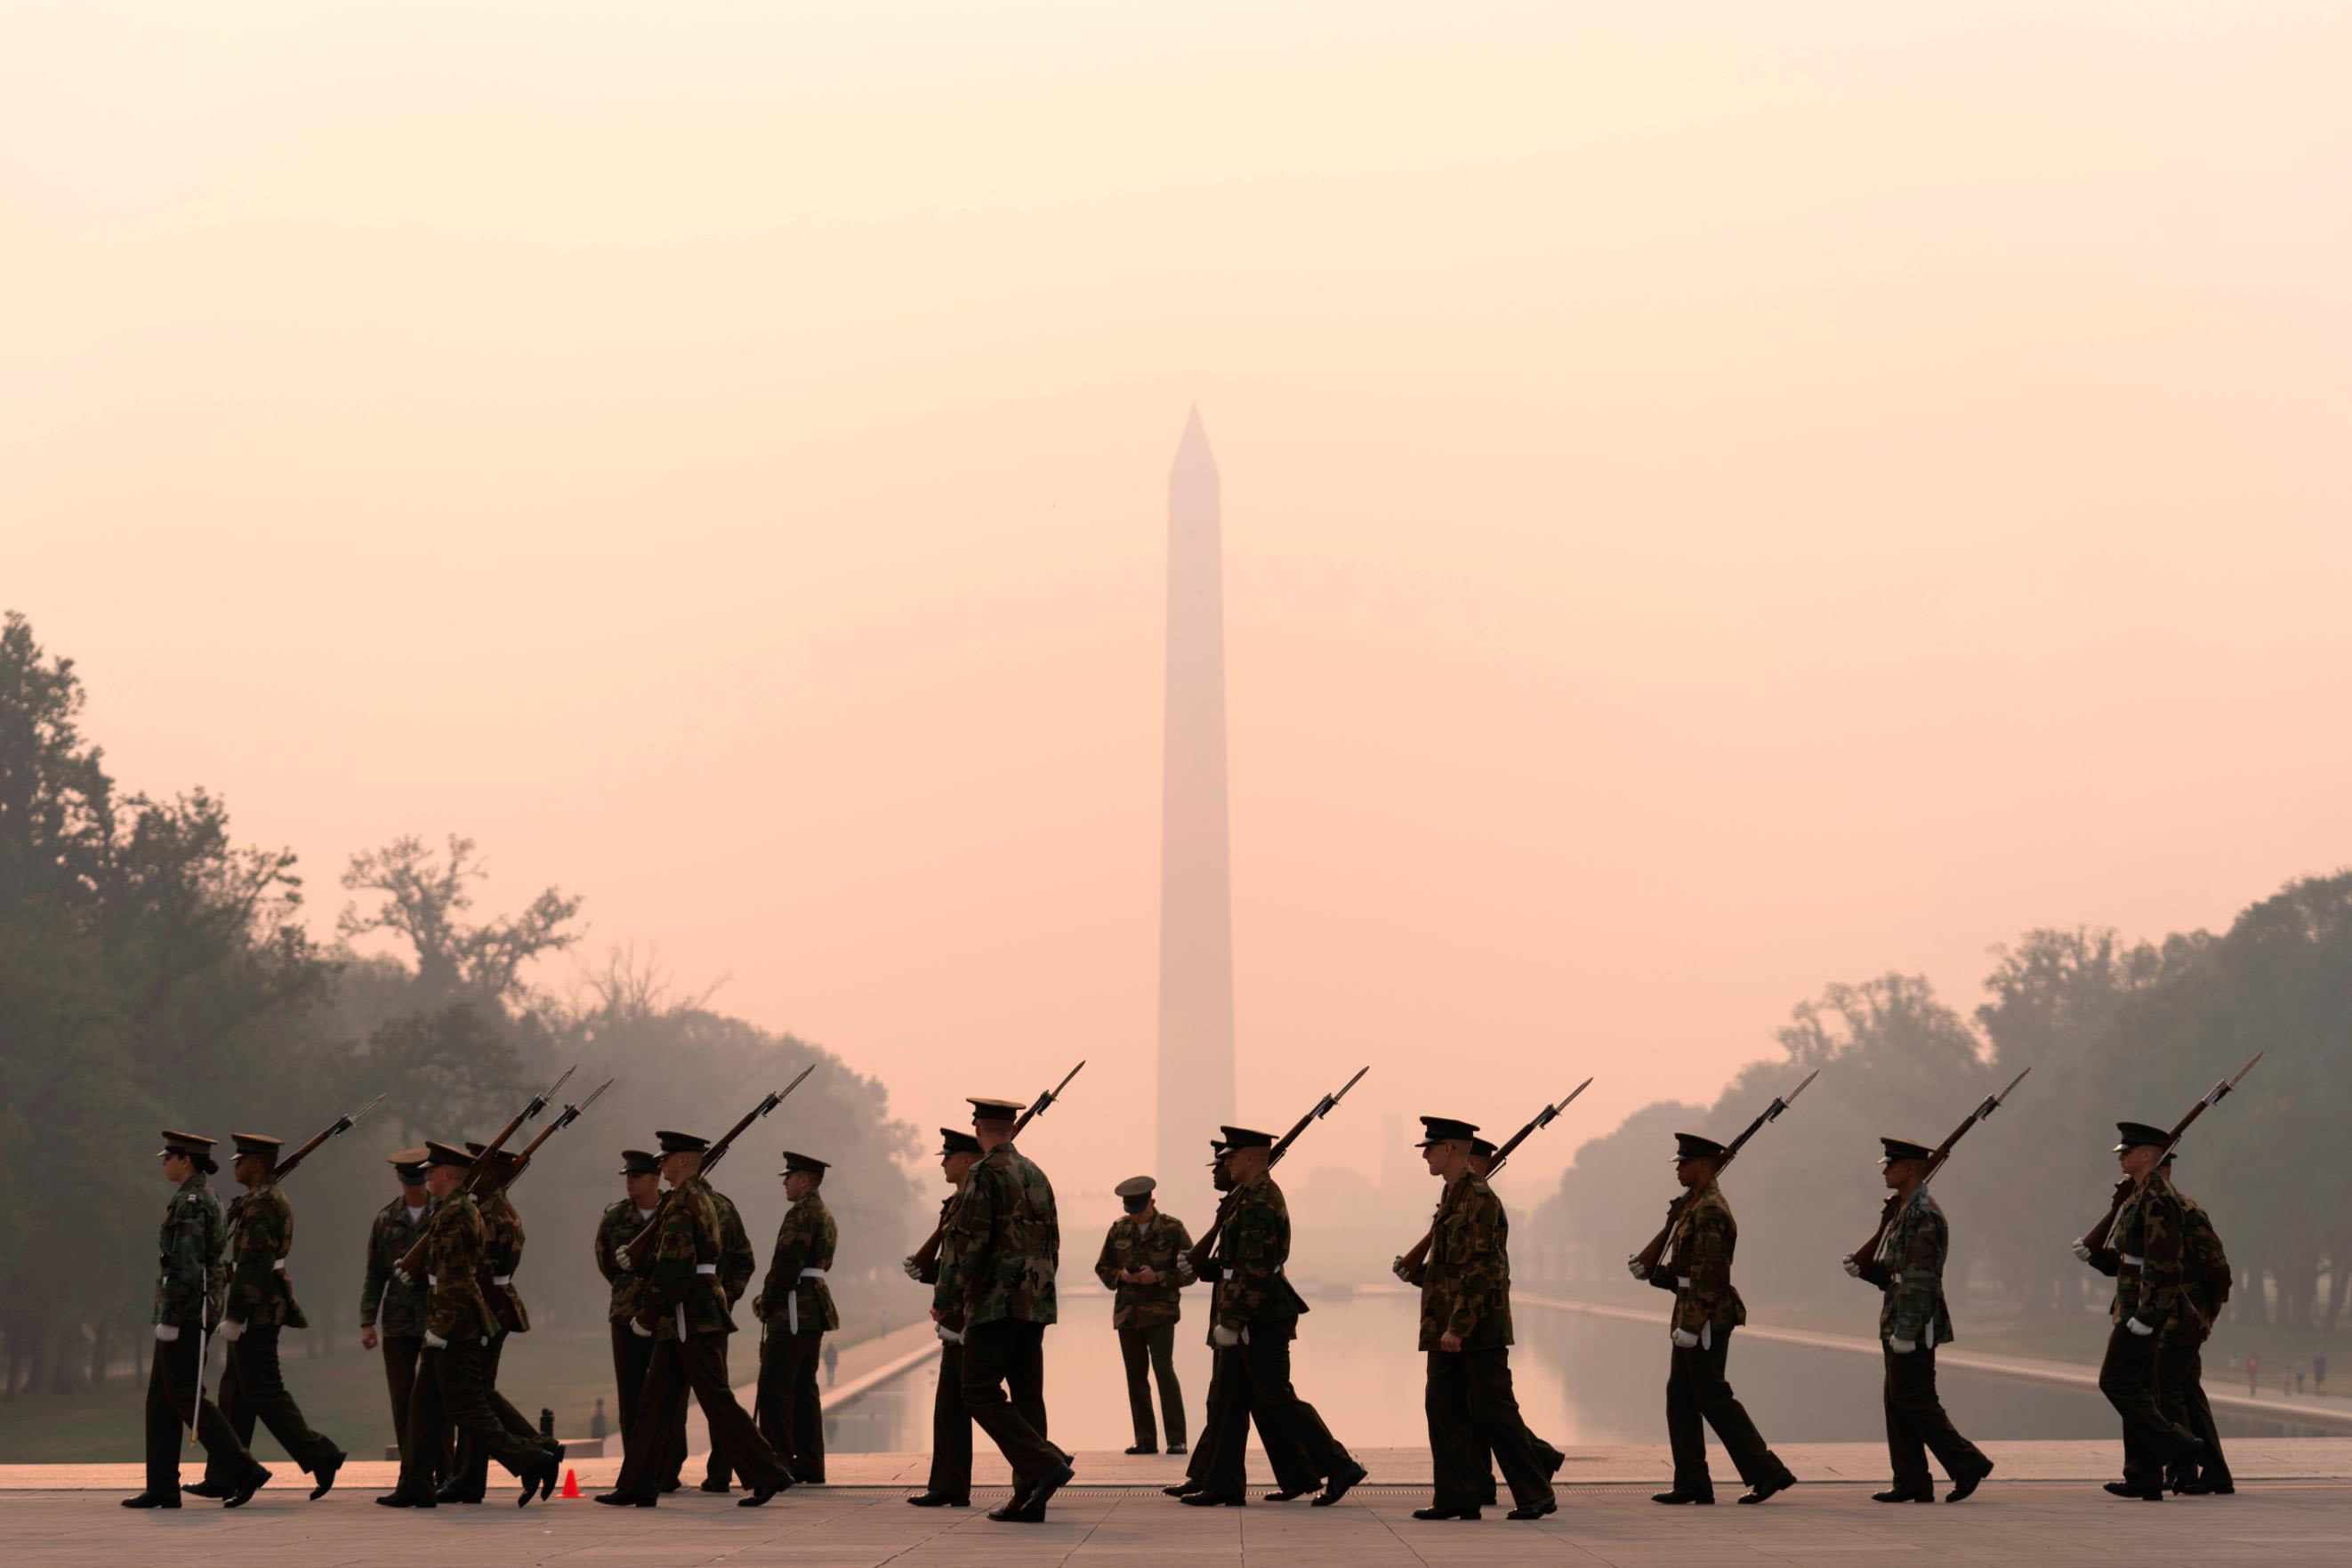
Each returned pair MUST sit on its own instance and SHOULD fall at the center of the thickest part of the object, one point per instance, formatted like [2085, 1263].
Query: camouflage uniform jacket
[1697, 1265]
[260, 1235]
[619, 1227]
[737, 1261]
[2206, 1276]
[1909, 1267]
[683, 1293]
[455, 1244]
[945, 1262]
[2144, 1254]
[804, 1240]
[1251, 1251]
[501, 1255]
[1466, 1280]
[1164, 1248]
[397, 1311]
[1011, 1242]
[188, 1256]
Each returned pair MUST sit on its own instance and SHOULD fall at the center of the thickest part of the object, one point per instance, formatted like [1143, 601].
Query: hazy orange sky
[1718, 499]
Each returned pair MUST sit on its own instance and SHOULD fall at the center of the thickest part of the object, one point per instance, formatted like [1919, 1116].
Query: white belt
[1684, 1281]
[705, 1268]
[681, 1322]
[502, 1280]
[812, 1273]
[1897, 1277]
[2126, 1257]
[793, 1302]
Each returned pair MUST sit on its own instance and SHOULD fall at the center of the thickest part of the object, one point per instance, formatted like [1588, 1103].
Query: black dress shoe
[400, 1497]
[933, 1500]
[324, 1475]
[1436, 1513]
[1175, 1447]
[1765, 1489]
[1287, 1495]
[1535, 1510]
[2146, 1491]
[1337, 1487]
[1901, 1495]
[624, 1499]
[1966, 1484]
[1029, 1508]
[1183, 1488]
[454, 1492]
[670, 1486]
[1551, 1465]
[539, 1480]
[1142, 1448]
[152, 1500]
[213, 1489]
[255, 1479]
[1679, 1496]
[554, 1469]
[1213, 1500]
[716, 1487]
[759, 1495]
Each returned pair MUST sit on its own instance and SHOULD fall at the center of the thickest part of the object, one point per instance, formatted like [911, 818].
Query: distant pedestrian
[2253, 1370]
[831, 1362]
[596, 1418]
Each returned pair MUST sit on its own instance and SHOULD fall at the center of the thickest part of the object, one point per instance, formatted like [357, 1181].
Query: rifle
[1869, 1249]
[1410, 1264]
[414, 1259]
[2096, 1237]
[1648, 1256]
[1206, 1247]
[639, 1247]
[924, 1263]
[285, 1167]
[570, 1115]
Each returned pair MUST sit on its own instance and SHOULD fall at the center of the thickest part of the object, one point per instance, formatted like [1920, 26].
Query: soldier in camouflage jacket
[2144, 1254]
[1146, 1260]
[1466, 1333]
[502, 1245]
[1697, 1269]
[950, 1476]
[392, 1315]
[620, 1225]
[1913, 1319]
[2205, 1281]
[796, 1308]
[260, 1305]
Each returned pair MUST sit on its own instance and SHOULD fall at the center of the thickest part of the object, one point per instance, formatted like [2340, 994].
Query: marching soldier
[186, 1287]
[392, 1315]
[1466, 1331]
[1256, 1317]
[502, 1242]
[2144, 1255]
[683, 1310]
[260, 1305]
[1697, 1270]
[1913, 1319]
[2205, 1282]
[1146, 1260]
[641, 1173]
[950, 1478]
[458, 1321]
[1547, 1458]
[737, 1264]
[795, 1309]
[1001, 1277]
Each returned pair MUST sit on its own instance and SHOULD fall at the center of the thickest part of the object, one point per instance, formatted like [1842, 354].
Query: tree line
[156, 971]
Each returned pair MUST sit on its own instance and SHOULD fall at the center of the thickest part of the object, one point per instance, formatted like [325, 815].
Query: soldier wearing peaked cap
[794, 1307]
[1913, 1319]
[738, 1262]
[2145, 1255]
[1547, 1458]
[2205, 1281]
[260, 1306]
[1146, 1261]
[502, 1237]
[1697, 1269]
[392, 1314]
[640, 1174]
[187, 1291]
[950, 1477]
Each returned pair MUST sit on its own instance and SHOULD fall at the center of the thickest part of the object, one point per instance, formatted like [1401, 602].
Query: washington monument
[1196, 900]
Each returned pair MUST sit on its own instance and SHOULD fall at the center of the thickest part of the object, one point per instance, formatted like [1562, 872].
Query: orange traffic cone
[571, 1483]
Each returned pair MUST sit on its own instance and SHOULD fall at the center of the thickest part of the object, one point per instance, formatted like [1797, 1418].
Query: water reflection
[1582, 1381]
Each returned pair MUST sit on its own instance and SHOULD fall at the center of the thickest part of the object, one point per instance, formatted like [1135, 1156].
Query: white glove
[1901, 1347]
[2139, 1328]
[1852, 1270]
[1930, 1341]
[1633, 1267]
[1398, 1270]
[166, 1333]
[435, 1341]
[952, 1336]
[402, 1275]
[914, 1270]
[233, 1330]
[640, 1330]
[2081, 1253]
[1224, 1338]
[628, 1263]
[1245, 1334]
[1685, 1340]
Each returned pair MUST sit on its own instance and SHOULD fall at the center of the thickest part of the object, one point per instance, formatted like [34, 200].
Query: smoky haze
[1714, 504]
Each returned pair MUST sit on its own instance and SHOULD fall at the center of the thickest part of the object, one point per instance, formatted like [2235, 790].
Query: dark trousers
[2180, 1387]
[1150, 1351]
[1916, 1424]
[1220, 1455]
[715, 1471]
[695, 1364]
[1297, 1442]
[631, 1356]
[1009, 1355]
[791, 1411]
[2151, 1438]
[449, 1392]
[171, 1397]
[473, 1461]
[400, 1377]
[1472, 1411]
[253, 1389]
[1697, 1392]
[951, 1428]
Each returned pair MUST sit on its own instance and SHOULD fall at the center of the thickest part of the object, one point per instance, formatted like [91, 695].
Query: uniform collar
[196, 1182]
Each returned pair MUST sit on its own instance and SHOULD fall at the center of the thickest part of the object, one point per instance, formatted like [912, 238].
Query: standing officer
[796, 1308]
[392, 1315]
[683, 1310]
[1257, 1314]
[260, 1305]
[186, 1289]
[502, 1242]
[457, 1322]
[1146, 1259]
[2144, 1255]
[1466, 1331]
[1697, 1269]
[1001, 1276]
[950, 1478]
[2205, 1281]
[641, 1178]
[1913, 1319]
